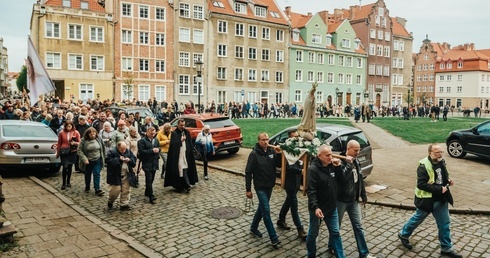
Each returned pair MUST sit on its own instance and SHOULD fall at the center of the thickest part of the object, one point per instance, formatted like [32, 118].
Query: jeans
[441, 215]
[354, 211]
[264, 212]
[331, 218]
[93, 167]
[291, 202]
[149, 177]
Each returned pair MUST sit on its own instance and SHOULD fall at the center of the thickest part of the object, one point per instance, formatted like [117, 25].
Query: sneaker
[405, 242]
[275, 242]
[282, 224]
[206, 178]
[370, 256]
[451, 254]
[99, 192]
[256, 233]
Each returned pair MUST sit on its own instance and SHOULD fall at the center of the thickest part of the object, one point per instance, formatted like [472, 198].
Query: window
[310, 77]
[372, 34]
[321, 58]
[160, 13]
[222, 26]
[198, 12]
[379, 70]
[75, 32]
[84, 5]
[184, 35]
[239, 29]
[341, 78]
[372, 49]
[319, 77]
[126, 36]
[431, 78]
[143, 11]
[431, 67]
[348, 62]
[387, 36]
[341, 60]
[348, 78]
[449, 65]
[299, 75]
[184, 84]
[316, 39]
[97, 34]
[127, 64]
[265, 75]
[459, 89]
[196, 57]
[358, 79]
[221, 73]
[448, 78]
[222, 50]
[441, 66]
[184, 59]
[299, 56]
[160, 66]
[329, 77]
[331, 59]
[297, 96]
[161, 93]
[240, 8]
[52, 30]
[345, 43]
[401, 45]
[75, 62]
[86, 91]
[279, 56]
[311, 57]
[379, 49]
[238, 74]
[380, 34]
[144, 38]
[280, 35]
[143, 92]
[359, 62]
[252, 53]
[127, 91]
[144, 65]
[460, 77]
[372, 69]
[260, 11]
[266, 33]
[328, 40]
[66, 3]
[441, 77]
[252, 31]
[279, 76]
[97, 63]
[238, 51]
[386, 70]
[198, 36]
[252, 75]
[424, 67]
[441, 89]
[448, 89]
[53, 60]
[460, 64]
[184, 10]
[126, 10]
[387, 51]
[419, 78]
[160, 39]
[265, 54]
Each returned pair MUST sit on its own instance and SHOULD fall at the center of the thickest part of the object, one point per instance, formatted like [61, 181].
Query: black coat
[261, 167]
[114, 165]
[348, 191]
[322, 186]
[172, 174]
[293, 177]
[149, 159]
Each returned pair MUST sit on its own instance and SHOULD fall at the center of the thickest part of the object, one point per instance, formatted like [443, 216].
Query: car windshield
[26, 131]
[359, 137]
[219, 122]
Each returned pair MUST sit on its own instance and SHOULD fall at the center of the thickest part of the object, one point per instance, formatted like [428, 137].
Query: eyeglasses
[438, 152]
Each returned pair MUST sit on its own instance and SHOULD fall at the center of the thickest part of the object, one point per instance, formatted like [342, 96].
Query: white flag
[38, 81]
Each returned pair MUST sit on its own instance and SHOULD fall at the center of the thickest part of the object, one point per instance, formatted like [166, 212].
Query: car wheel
[455, 149]
[233, 151]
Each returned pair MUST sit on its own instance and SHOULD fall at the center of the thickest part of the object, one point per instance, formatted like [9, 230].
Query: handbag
[133, 179]
[64, 151]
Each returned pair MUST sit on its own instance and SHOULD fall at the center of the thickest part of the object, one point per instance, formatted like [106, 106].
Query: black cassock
[172, 174]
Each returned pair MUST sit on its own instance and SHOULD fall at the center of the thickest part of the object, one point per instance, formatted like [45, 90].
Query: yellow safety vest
[428, 166]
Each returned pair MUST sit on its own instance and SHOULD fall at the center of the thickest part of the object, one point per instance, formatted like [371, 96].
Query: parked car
[26, 144]
[337, 136]
[227, 136]
[475, 140]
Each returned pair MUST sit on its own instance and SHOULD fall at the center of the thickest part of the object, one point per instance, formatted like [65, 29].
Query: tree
[128, 81]
[22, 79]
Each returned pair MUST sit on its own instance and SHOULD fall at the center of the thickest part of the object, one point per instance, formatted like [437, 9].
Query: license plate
[36, 160]
[230, 142]
[361, 159]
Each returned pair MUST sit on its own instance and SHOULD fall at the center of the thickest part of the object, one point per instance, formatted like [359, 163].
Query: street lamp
[199, 64]
[366, 95]
[114, 79]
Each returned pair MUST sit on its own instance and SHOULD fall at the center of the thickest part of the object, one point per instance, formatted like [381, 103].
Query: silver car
[27, 145]
[337, 136]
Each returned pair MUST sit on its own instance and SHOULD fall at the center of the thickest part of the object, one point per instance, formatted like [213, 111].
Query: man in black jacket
[291, 185]
[261, 167]
[322, 198]
[149, 154]
[350, 191]
[120, 161]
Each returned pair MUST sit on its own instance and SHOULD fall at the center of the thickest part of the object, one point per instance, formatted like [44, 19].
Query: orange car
[227, 136]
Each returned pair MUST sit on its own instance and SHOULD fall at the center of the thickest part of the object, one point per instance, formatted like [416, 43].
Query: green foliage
[22, 79]
[252, 127]
[421, 130]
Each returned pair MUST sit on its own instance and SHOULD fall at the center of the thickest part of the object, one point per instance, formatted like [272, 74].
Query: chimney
[310, 14]
[353, 11]
[288, 11]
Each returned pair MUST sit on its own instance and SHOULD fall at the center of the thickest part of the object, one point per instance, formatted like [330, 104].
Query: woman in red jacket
[68, 140]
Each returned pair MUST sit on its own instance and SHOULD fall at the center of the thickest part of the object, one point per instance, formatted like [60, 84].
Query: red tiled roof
[398, 29]
[438, 48]
[332, 26]
[75, 4]
[299, 20]
[362, 13]
[458, 53]
[270, 4]
[485, 52]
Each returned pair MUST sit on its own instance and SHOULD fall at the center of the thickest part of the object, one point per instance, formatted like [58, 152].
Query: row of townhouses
[4, 82]
[237, 50]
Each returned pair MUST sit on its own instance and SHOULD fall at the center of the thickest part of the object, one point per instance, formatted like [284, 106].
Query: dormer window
[442, 66]
[329, 40]
[67, 3]
[357, 43]
[84, 5]
[316, 39]
[296, 35]
[240, 8]
[460, 64]
[260, 11]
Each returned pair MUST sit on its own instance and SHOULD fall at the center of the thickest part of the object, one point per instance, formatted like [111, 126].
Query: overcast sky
[454, 21]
